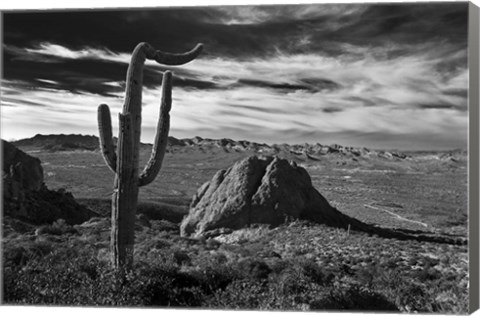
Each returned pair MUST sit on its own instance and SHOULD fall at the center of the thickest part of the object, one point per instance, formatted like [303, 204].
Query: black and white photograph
[262, 157]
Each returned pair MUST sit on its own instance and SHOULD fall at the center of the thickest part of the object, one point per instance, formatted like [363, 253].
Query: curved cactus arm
[161, 138]
[106, 139]
[171, 58]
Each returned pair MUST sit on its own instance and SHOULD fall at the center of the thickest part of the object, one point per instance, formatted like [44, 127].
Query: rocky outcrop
[258, 190]
[21, 170]
[271, 190]
[26, 197]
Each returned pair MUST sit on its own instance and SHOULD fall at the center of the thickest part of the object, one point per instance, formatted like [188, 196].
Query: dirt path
[396, 215]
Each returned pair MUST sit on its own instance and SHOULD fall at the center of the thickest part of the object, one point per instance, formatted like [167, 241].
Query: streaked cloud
[269, 74]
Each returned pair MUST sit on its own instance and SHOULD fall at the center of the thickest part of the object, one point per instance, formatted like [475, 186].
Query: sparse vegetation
[296, 266]
[267, 272]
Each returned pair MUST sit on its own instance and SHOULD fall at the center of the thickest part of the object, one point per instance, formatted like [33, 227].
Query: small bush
[17, 255]
[316, 273]
[253, 268]
[353, 298]
[241, 294]
[58, 228]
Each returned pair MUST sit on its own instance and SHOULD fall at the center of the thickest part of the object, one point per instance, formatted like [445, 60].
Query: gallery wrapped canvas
[295, 157]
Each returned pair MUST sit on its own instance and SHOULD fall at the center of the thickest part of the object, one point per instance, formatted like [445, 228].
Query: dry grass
[297, 266]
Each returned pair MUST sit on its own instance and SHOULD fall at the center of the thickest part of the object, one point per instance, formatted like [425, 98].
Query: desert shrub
[58, 228]
[154, 243]
[353, 298]
[298, 286]
[214, 275]
[181, 257]
[212, 244]
[170, 288]
[162, 211]
[450, 301]
[241, 294]
[292, 281]
[164, 225]
[316, 273]
[253, 268]
[427, 274]
[412, 297]
[158, 257]
[17, 255]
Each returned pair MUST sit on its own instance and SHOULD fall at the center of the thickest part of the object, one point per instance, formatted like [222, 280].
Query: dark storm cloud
[173, 30]
[79, 75]
[316, 31]
[179, 29]
[404, 23]
[119, 30]
[379, 68]
[74, 75]
[288, 29]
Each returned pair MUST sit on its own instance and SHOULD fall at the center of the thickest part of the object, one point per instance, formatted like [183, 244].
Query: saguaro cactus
[124, 162]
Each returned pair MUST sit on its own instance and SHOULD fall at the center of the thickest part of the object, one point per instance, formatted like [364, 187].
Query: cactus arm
[161, 138]
[105, 135]
[172, 59]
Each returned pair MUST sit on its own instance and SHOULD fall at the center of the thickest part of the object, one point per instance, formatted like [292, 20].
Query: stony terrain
[297, 265]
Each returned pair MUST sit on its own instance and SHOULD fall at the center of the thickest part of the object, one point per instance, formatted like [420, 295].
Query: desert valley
[399, 243]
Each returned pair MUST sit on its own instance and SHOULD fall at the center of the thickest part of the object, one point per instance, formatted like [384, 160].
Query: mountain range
[71, 142]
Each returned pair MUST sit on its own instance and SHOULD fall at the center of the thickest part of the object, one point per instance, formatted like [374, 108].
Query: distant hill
[59, 142]
[62, 142]
[302, 152]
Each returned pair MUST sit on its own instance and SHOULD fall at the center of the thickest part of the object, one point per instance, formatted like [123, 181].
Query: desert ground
[296, 266]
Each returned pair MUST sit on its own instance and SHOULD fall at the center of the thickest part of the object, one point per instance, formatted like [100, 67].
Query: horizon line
[262, 143]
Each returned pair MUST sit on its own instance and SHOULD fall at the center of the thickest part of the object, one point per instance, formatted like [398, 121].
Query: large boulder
[26, 197]
[263, 190]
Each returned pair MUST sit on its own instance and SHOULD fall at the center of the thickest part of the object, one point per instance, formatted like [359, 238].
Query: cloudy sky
[373, 75]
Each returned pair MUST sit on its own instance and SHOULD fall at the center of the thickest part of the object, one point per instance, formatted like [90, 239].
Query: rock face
[258, 190]
[22, 170]
[26, 197]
